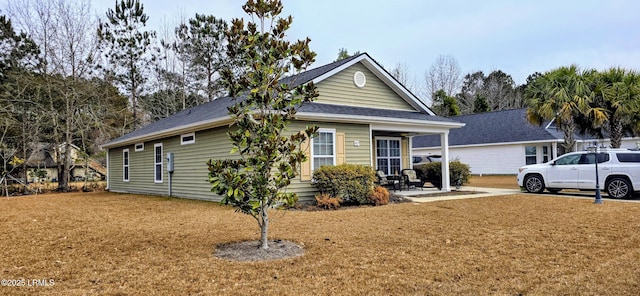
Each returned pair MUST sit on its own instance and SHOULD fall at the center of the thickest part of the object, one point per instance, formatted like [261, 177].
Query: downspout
[108, 168]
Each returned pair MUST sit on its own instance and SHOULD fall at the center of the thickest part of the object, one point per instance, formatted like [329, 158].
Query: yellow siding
[190, 177]
[404, 146]
[352, 154]
[340, 89]
[190, 169]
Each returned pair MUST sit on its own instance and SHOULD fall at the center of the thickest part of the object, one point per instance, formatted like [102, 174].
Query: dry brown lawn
[118, 244]
[508, 182]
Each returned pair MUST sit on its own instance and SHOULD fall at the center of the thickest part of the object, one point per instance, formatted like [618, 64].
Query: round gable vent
[359, 79]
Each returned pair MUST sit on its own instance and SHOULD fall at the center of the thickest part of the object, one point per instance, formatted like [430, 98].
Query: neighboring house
[500, 142]
[365, 117]
[43, 158]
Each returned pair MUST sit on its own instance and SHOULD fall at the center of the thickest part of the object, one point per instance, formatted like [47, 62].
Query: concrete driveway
[433, 194]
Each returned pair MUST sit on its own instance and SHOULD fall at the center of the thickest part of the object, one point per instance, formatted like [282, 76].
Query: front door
[389, 155]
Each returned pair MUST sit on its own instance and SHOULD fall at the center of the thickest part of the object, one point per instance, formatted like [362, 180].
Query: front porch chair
[384, 181]
[411, 179]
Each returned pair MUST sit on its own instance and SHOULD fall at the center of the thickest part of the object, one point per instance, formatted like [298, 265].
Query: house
[365, 117]
[502, 141]
[42, 164]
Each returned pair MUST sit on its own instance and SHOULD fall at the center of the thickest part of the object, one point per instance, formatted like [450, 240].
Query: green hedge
[350, 182]
[432, 172]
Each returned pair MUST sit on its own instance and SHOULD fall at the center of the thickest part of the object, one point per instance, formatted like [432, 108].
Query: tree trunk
[616, 132]
[569, 129]
[264, 228]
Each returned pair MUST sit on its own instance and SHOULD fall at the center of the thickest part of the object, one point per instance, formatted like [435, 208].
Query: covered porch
[391, 148]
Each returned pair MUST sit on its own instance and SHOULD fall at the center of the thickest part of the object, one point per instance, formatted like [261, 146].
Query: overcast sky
[517, 37]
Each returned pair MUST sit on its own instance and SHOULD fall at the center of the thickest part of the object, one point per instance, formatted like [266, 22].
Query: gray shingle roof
[217, 109]
[505, 126]
[312, 74]
[373, 112]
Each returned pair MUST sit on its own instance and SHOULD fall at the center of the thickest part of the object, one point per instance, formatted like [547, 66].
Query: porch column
[444, 145]
[410, 139]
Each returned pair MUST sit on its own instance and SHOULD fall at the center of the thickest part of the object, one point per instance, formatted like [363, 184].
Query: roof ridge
[314, 73]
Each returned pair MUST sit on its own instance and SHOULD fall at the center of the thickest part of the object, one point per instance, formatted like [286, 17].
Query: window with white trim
[139, 147]
[389, 155]
[531, 154]
[189, 138]
[323, 148]
[125, 165]
[545, 154]
[157, 154]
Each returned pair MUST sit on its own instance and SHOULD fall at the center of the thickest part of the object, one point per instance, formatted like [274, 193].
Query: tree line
[70, 78]
[67, 77]
[602, 104]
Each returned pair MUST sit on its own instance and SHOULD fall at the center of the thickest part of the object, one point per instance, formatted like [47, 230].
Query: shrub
[379, 196]
[326, 201]
[352, 182]
[432, 172]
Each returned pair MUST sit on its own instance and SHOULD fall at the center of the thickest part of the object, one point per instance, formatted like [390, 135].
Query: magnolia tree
[265, 102]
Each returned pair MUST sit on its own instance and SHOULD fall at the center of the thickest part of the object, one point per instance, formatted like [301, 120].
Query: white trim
[359, 79]
[201, 125]
[323, 130]
[192, 141]
[108, 169]
[138, 149]
[375, 120]
[155, 164]
[410, 148]
[498, 144]
[371, 157]
[399, 139]
[384, 76]
[444, 156]
[126, 166]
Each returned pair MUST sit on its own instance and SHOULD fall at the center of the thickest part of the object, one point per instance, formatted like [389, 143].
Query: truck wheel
[534, 184]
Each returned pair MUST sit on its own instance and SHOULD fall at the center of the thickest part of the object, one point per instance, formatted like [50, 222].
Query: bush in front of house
[324, 200]
[350, 182]
[379, 196]
[459, 173]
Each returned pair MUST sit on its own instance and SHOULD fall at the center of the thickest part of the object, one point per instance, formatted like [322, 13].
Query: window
[568, 160]
[590, 158]
[323, 149]
[628, 157]
[139, 147]
[188, 139]
[157, 162]
[530, 154]
[388, 155]
[125, 165]
[545, 154]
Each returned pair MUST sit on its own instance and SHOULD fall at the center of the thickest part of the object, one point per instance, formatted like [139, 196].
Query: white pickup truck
[618, 171]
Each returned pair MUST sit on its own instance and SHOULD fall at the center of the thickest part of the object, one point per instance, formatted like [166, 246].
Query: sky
[517, 37]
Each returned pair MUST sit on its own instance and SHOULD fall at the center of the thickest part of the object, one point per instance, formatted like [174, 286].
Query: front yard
[105, 243]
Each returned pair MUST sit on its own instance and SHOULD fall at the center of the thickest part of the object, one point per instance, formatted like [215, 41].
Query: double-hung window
[125, 165]
[531, 155]
[323, 148]
[389, 155]
[157, 153]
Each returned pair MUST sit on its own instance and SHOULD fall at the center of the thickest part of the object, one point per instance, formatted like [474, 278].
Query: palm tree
[618, 93]
[562, 95]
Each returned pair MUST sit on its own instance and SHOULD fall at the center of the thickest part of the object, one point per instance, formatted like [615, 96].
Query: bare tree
[65, 31]
[401, 73]
[444, 74]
